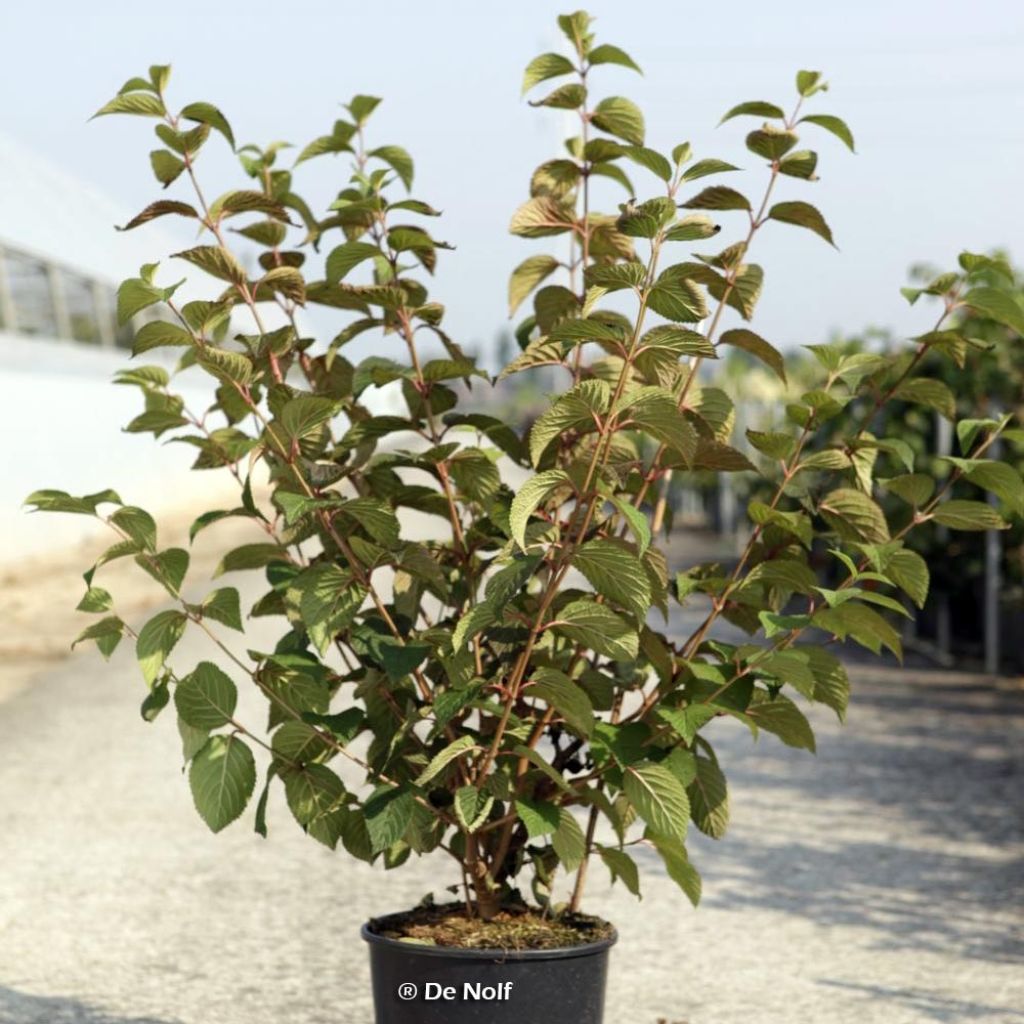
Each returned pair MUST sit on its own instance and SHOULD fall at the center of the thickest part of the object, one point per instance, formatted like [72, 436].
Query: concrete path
[878, 883]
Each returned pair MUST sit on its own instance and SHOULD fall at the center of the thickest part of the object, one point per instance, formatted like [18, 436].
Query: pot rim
[496, 955]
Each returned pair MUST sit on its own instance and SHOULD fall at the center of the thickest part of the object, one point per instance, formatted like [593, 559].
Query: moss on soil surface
[513, 928]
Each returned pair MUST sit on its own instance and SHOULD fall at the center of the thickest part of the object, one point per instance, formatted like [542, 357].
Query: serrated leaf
[718, 197]
[852, 512]
[615, 573]
[996, 305]
[527, 276]
[472, 807]
[157, 639]
[544, 67]
[222, 777]
[679, 868]
[757, 347]
[223, 606]
[539, 817]
[754, 108]
[928, 392]
[909, 571]
[568, 841]
[837, 126]
[780, 716]
[621, 866]
[659, 798]
[438, 763]
[599, 628]
[709, 798]
[206, 698]
[803, 215]
[566, 696]
[969, 515]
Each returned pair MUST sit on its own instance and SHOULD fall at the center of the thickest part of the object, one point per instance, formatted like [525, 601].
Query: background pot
[415, 984]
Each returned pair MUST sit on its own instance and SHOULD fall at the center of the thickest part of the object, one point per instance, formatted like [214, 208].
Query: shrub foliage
[499, 685]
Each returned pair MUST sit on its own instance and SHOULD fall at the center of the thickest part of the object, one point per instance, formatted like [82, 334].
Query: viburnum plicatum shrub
[504, 689]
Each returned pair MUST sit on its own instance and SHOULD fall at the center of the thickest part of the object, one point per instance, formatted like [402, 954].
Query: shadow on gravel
[19, 1008]
[937, 1008]
[935, 774]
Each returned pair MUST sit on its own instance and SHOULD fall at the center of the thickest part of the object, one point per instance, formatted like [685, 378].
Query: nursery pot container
[422, 984]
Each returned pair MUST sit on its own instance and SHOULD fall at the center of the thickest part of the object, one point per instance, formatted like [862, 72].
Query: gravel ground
[877, 883]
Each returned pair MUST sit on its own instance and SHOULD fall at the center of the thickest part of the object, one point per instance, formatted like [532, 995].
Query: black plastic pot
[414, 984]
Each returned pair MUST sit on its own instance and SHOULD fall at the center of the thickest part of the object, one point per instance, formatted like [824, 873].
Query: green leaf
[577, 409]
[599, 628]
[299, 743]
[754, 108]
[463, 745]
[106, 633]
[329, 600]
[928, 392]
[206, 698]
[566, 696]
[679, 868]
[569, 843]
[677, 298]
[215, 260]
[168, 568]
[540, 818]
[770, 142]
[853, 514]
[809, 82]
[914, 488]
[718, 197]
[542, 216]
[780, 716]
[703, 168]
[207, 113]
[570, 96]
[608, 54]
[615, 573]
[222, 777]
[803, 215]
[547, 65]
[757, 347]
[801, 164]
[832, 124]
[659, 798]
[472, 807]
[96, 599]
[619, 117]
[250, 556]
[388, 814]
[160, 209]
[996, 305]
[909, 571]
[709, 798]
[651, 159]
[398, 160]
[159, 334]
[527, 276]
[312, 792]
[137, 524]
[223, 606]
[969, 515]
[135, 295]
[157, 639]
[140, 103]
[636, 520]
[656, 414]
[621, 866]
[1002, 480]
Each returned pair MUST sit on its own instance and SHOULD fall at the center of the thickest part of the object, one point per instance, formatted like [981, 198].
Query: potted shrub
[505, 689]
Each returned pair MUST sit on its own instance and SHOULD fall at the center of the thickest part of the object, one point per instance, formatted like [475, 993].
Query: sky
[933, 91]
